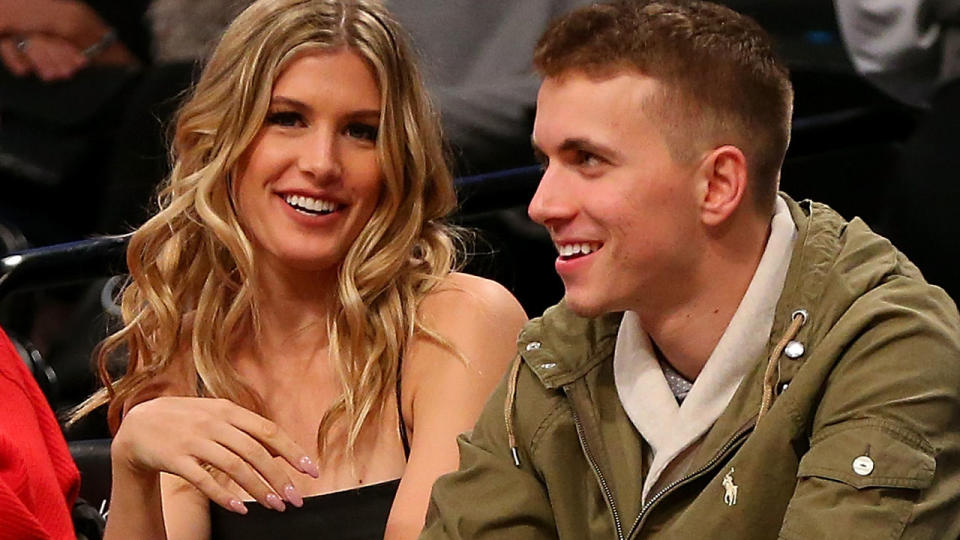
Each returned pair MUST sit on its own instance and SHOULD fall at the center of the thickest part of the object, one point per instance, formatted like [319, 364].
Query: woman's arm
[443, 393]
[187, 437]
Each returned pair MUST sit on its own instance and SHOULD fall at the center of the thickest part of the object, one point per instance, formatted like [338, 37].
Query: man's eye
[588, 159]
[362, 131]
[542, 160]
[285, 119]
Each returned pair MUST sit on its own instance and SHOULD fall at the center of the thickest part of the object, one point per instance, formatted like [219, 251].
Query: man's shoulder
[560, 346]
[838, 264]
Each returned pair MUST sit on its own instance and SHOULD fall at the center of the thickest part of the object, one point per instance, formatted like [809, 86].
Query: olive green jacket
[862, 439]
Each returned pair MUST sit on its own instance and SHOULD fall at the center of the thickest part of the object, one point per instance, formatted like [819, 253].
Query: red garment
[38, 479]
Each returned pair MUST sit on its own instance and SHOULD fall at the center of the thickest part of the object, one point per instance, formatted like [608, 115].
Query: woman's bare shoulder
[445, 385]
[465, 294]
[479, 320]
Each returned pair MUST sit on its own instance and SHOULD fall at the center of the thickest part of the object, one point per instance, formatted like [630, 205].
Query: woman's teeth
[309, 205]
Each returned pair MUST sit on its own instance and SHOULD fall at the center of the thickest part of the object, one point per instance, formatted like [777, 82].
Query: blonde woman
[295, 334]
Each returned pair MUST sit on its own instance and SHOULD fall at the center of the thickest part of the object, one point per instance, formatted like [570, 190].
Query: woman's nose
[319, 156]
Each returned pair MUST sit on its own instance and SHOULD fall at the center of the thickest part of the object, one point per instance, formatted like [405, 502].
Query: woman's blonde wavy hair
[191, 265]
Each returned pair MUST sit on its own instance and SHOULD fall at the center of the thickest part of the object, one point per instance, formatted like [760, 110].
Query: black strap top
[353, 514]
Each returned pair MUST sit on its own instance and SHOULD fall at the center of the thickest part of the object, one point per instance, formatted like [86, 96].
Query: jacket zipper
[724, 450]
[599, 474]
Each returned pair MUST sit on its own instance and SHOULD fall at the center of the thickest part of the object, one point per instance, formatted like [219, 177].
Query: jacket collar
[561, 346]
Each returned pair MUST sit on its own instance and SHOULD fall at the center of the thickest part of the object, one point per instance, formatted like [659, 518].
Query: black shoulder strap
[402, 424]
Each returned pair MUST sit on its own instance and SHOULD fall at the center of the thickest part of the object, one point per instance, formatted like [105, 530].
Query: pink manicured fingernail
[238, 506]
[290, 493]
[273, 500]
[308, 466]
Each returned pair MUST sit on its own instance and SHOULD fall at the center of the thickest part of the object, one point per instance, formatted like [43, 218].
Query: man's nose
[552, 201]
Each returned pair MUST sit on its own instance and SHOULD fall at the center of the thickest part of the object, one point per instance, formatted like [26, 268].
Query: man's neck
[687, 332]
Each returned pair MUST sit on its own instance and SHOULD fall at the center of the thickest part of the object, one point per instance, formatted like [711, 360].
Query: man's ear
[723, 175]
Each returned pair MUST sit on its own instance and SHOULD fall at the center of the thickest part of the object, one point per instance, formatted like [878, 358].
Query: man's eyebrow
[586, 145]
[575, 143]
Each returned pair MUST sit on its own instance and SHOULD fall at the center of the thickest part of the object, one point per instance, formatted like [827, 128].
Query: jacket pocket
[870, 453]
[859, 479]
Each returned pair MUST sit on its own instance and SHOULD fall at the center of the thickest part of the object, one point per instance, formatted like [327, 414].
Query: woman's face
[311, 178]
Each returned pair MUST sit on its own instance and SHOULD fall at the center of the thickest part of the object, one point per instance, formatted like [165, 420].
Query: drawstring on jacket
[509, 406]
[772, 374]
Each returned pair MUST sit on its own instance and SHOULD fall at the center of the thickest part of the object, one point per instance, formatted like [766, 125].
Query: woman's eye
[285, 118]
[362, 131]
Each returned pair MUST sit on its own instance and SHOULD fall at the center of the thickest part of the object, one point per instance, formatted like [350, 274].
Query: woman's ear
[723, 175]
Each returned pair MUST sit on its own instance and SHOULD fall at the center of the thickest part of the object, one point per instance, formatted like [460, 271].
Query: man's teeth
[310, 204]
[570, 250]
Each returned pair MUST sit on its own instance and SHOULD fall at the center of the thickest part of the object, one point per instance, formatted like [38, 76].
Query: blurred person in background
[478, 66]
[38, 479]
[54, 39]
[911, 50]
[66, 70]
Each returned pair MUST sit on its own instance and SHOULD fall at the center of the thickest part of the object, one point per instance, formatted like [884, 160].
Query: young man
[726, 362]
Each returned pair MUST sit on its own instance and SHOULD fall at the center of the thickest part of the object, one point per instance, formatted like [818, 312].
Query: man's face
[622, 213]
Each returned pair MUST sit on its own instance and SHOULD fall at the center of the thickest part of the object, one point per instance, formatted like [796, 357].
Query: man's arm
[489, 497]
[884, 457]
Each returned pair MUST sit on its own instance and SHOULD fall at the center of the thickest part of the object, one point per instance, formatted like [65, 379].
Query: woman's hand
[188, 436]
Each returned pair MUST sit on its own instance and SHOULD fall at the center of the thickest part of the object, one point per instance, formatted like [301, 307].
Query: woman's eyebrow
[288, 101]
[366, 114]
[359, 114]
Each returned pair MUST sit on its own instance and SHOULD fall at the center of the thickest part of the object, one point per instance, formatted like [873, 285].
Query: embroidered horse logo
[729, 489]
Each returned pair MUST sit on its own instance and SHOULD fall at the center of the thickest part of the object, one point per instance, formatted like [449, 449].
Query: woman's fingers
[203, 480]
[164, 433]
[258, 460]
[241, 471]
[270, 436]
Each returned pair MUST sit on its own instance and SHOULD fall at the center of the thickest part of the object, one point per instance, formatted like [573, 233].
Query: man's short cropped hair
[722, 81]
